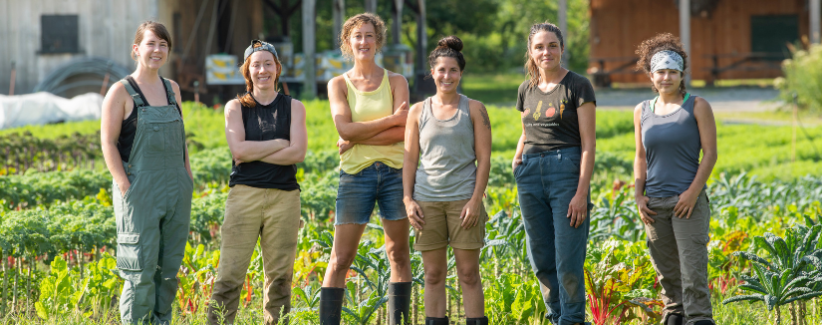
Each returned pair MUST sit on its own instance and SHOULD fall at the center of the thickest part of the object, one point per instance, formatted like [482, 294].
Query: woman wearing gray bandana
[266, 133]
[671, 130]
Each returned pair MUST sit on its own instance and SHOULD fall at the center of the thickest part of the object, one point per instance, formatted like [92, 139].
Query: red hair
[247, 100]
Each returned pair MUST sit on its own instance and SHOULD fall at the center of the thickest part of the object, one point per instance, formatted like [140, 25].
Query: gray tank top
[672, 149]
[447, 170]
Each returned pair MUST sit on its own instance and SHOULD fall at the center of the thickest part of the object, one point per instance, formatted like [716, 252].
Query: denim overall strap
[153, 215]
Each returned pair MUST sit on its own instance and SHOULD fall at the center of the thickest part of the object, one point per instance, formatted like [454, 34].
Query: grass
[781, 117]
[761, 150]
[493, 89]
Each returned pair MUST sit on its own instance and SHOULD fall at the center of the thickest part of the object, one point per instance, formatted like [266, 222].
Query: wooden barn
[729, 39]
[70, 47]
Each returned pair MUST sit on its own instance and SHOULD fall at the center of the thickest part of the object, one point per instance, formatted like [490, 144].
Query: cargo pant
[273, 216]
[153, 215]
[680, 257]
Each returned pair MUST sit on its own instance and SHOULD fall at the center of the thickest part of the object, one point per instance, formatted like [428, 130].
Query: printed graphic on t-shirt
[550, 118]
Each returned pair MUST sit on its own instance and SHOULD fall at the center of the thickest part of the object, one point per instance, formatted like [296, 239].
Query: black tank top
[261, 123]
[129, 127]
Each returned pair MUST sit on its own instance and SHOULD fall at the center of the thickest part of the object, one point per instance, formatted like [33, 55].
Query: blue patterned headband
[667, 60]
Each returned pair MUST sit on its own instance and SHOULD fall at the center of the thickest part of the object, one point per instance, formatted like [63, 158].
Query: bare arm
[641, 170]
[295, 151]
[357, 131]
[587, 133]
[578, 209]
[482, 146]
[482, 150]
[241, 149]
[179, 99]
[115, 104]
[640, 162]
[409, 166]
[520, 147]
[707, 136]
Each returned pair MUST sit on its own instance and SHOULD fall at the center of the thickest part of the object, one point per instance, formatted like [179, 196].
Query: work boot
[674, 319]
[436, 321]
[477, 321]
[331, 300]
[399, 302]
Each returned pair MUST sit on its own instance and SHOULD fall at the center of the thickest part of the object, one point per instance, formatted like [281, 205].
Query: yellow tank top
[369, 106]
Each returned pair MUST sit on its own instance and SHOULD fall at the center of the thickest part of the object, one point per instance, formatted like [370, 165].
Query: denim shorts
[358, 193]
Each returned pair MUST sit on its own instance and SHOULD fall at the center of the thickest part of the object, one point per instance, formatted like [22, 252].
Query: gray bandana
[667, 60]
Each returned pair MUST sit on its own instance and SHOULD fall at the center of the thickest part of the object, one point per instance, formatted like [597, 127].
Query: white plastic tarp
[43, 108]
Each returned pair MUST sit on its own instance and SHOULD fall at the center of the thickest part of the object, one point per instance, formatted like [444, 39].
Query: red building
[729, 39]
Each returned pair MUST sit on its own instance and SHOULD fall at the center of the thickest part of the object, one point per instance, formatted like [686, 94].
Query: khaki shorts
[442, 227]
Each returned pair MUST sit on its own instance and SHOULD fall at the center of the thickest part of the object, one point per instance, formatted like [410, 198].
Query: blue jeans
[358, 193]
[547, 181]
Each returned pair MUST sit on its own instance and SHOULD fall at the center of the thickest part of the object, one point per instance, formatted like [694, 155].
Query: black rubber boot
[674, 319]
[477, 321]
[399, 303]
[705, 322]
[436, 321]
[331, 300]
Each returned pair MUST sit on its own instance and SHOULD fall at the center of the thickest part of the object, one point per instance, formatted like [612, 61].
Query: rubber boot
[705, 322]
[477, 321]
[436, 321]
[399, 303]
[331, 300]
[674, 319]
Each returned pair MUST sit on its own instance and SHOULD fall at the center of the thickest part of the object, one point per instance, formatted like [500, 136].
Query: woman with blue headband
[671, 130]
[266, 133]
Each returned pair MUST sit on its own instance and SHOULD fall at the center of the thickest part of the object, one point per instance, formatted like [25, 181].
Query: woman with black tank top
[143, 142]
[266, 133]
[553, 166]
[670, 131]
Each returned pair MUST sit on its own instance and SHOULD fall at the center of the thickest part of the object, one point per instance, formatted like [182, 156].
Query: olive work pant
[679, 253]
[273, 216]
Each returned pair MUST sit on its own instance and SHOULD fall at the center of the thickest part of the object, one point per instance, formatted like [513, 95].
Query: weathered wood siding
[619, 26]
[106, 29]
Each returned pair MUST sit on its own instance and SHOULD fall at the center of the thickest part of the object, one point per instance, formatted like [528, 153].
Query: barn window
[59, 34]
[771, 34]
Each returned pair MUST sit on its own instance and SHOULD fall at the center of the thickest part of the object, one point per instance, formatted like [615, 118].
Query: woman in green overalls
[143, 142]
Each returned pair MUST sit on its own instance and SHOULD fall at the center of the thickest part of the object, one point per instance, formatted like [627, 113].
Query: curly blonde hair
[660, 42]
[357, 21]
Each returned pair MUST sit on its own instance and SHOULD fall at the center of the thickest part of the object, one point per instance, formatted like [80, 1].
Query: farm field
[57, 231]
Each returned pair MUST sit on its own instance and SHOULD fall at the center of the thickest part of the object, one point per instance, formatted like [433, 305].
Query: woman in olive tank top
[143, 140]
[450, 135]
[671, 130]
[369, 107]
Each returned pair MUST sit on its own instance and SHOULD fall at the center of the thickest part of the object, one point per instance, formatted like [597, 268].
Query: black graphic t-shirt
[550, 118]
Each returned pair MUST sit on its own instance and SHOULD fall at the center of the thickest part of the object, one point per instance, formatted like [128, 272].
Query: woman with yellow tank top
[369, 107]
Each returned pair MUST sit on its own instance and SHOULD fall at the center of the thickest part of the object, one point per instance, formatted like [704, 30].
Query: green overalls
[153, 215]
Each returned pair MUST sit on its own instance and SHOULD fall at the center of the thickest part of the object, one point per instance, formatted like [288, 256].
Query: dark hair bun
[452, 42]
